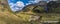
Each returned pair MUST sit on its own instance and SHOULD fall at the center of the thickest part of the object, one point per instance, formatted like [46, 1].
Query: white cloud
[16, 6]
[20, 4]
[28, 3]
[35, 1]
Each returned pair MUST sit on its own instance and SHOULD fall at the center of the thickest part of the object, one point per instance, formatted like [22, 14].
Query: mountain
[9, 17]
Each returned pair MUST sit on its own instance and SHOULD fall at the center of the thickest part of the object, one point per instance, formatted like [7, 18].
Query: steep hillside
[9, 17]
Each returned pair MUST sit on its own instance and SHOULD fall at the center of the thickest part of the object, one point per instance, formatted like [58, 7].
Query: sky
[17, 5]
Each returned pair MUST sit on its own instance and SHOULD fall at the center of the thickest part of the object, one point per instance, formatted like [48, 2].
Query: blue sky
[24, 1]
[14, 1]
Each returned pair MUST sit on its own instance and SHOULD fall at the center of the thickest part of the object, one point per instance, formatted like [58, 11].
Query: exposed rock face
[53, 6]
[58, 1]
[3, 2]
[42, 3]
